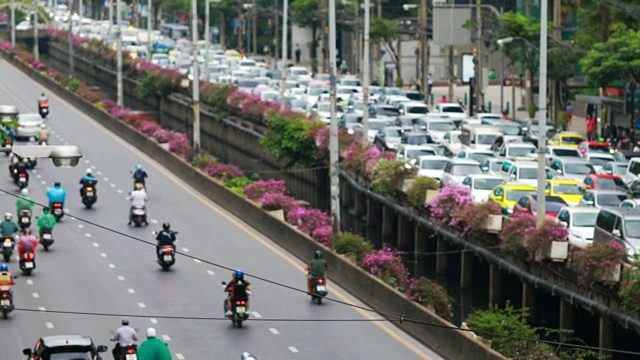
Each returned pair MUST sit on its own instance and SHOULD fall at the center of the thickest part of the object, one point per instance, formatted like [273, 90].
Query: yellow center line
[217, 209]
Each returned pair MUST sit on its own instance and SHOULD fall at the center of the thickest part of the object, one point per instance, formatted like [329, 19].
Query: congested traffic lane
[135, 284]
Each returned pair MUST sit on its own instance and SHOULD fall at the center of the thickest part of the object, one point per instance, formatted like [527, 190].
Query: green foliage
[597, 20]
[74, 85]
[399, 82]
[517, 25]
[630, 289]
[617, 59]
[417, 192]
[384, 30]
[351, 245]
[563, 120]
[428, 292]
[237, 184]
[152, 83]
[201, 160]
[531, 110]
[216, 97]
[288, 140]
[561, 62]
[389, 175]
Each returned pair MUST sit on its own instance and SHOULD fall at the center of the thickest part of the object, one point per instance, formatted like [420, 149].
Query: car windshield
[602, 149]
[455, 138]
[432, 164]
[480, 157]
[609, 183]
[514, 195]
[528, 173]
[466, 169]
[317, 91]
[596, 161]
[300, 72]
[571, 140]
[452, 109]
[566, 152]
[416, 140]
[579, 169]
[247, 83]
[512, 130]
[486, 139]
[486, 184]
[568, 189]
[417, 110]
[377, 125]
[71, 356]
[620, 169]
[439, 149]
[611, 199]
[393, 132]
[521, 150]
[632, 228]
[442, 126]
[496, 165]
[389, 111]
[414, 153]
[585, 219]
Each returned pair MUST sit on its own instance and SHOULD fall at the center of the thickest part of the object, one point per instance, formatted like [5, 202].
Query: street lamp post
[207, 40]
[333, 143]
[71, 54]
[13, 25]
[149, 27]
[196, 76]
[119, 55]
[36, 50]
[365, 69]
[283, 83]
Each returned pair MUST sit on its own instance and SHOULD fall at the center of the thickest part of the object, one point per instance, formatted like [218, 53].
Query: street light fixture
[64, 156]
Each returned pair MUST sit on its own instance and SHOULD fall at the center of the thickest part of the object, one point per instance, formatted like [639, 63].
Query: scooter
[8, 246]
[46, 239]
[57, 210]
[238, 310]
[127, 352]
[319, 290]
[139, 216]
[27, 263]
[89, 196]
[43, 109]
[6, 301]
[24, 219]
[21, 180]
[167, 257]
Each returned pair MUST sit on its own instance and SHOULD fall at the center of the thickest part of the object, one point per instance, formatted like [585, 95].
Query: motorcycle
[238, 310]
[46, 239]
[24, 219]
[7, 144]
[89, 196]
[139, 216]
[319, 290]
[167, 257]
[21, 180]
[43, 109]
[8, 246]
[6, 301]
[43, 143]
[27, 263]
[127, 352]
[57, 210]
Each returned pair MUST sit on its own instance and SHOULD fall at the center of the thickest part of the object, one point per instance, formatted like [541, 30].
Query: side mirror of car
[485, 168]
[102, 348]
[616, 233]
[547, 192]
[559, 171]
[512, 176]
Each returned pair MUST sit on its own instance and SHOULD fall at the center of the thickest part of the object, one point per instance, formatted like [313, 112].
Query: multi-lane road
[90, 269]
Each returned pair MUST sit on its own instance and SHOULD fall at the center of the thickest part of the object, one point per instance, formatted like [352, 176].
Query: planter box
[493, 224]
[614, 276]
[556, 251]
[278, 214]
[430, 195]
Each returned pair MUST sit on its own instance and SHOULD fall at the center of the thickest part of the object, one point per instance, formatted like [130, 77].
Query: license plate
[320, 288]
[241, 309]
[25, 220]
[23, 180]
[131, 357]
[5, 302]
[167, 258]
[7, 244]
[89, 193]
[139, 212]
[46, 236]
[8, 146]
[28, 265]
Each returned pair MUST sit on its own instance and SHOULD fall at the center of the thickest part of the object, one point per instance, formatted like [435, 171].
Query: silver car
[456, 170]
[28, 125]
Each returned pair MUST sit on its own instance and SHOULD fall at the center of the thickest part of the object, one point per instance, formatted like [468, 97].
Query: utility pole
[119, 55]
[542, 121]
[254, 26]
[283, 83]
[557, 34]
[196, 76]
[451, 73]
[149, 27]
[479, 75]
[325, 37]
[333, 143]
[275, 35]
[366, 78]
[36, 50]
[110, 16]
[207, 38]
[71, 54]
[424, 46]
[80, 12]
[13, 25]
[356, 41]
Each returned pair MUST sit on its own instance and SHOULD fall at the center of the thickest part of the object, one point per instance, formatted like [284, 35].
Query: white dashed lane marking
[185, 249]
[210, 272]
[105, 179]
[274, 331]
[120, 191]
[256, 314]
[104, 255]
[29, 282]
[154, 221]
[96, 245]
[36, 295]
[43, 182]
[293, 349]
[197, 261]
[121, 278]
[80, 226]
[87, 235]
[112, 266]
[42, 308]
[112, 185]
[86, 161]
[142, 305]
[153, 320]
[49, 325]
[166, 338]
[131, 291]
[179, 356]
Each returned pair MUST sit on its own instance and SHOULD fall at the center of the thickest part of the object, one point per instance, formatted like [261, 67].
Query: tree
[308, 14]
[598, 19]
[561, 65]
[386, 32]
[616, 59]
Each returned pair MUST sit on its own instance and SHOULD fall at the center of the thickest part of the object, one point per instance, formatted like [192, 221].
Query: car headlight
[509, 211]
[393, 145]
[630, 252]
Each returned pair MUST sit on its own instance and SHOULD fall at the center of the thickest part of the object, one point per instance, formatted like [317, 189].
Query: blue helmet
[138, 167]
[4, 268]
[247, 356]
[239, 274]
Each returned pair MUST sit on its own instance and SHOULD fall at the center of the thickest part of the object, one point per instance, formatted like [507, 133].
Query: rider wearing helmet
[166, 237]
[138, 199]
[139, 176]
[56, 194]
[43, 99]
[32, 141]
[238, 289]
[24, 202]
[46, 221]
[125, 336]
[247, 356]
[28, 243]
[6, 279]
[88, 180]
[8, 227]
[153, 348]
[20, 167]
[316, 269]
[43, 134]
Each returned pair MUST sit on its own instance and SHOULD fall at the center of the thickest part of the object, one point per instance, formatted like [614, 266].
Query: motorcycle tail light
[5, 295]
[168, 250]
[89, 189]
[320, 281]
[240, 302]
[22, 175]
[7, 240]
[57, 205]
[131, 351]
[28, 256]
[8, 142]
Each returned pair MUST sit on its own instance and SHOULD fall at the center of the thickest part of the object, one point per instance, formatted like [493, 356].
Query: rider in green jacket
[153, 348]
[46, 221]
[24, 202]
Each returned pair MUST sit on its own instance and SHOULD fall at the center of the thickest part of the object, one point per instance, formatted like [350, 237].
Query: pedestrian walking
[569, 113]
[298, 52]
[344, 68]
[418, 84]
[430, 82]
[591, 128]
[444, 100]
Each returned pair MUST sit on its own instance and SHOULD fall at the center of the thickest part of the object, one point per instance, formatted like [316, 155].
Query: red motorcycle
[28, 263]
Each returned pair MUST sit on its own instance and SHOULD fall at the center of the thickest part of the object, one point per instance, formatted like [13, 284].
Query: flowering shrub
[162, 135]
[275, 201]
[90, 95]
[386, 264]
[538, 238]
[512, 236]
[181, 146]
[257, 190]
[351, 245]
[39, 65]
[630, 289]
[5, 45]
[428, 292]
[308, 219]
[202, 160]
[221, 170]
[388, 176]
[598, 262]
[443, 208]
[323, 235]
[473, 216]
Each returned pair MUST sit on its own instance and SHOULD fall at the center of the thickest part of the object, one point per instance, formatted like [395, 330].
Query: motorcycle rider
[316, 269]
[238, 289]
[139, 176]
[8, 227]
[20, 167]
[43, 99]
[46, 222]
[6, 279]
[56, 194]
[247, 356]
[138, 199]
[125, 336]
[43, 134]
[153, 348]
[28, 243]
[88, 180]
[24, 202]
[166, 237]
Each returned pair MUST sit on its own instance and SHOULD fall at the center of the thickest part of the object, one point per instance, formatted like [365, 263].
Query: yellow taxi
[566, 138]
[232, 55]
[569, 190]
[507, 194]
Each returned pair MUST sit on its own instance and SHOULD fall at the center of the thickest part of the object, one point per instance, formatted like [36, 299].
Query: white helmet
[24, 192]
[8, 216]
[89, 171]
[43, 126]
[151, 332]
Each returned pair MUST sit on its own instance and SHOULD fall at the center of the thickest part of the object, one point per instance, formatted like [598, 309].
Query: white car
[456, 170]
[478, 155]
[24, 25]
[581, 222]
[299, 73]
[455, 112]
[482, 185]
[517, 150]
[28, 125]
[411, 153]
[452, 141]
[431, 166]
[598, 160]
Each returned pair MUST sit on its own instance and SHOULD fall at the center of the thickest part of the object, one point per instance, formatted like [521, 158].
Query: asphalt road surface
[90, 269]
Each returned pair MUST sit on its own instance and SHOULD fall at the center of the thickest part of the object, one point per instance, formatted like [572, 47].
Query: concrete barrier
[435, 332]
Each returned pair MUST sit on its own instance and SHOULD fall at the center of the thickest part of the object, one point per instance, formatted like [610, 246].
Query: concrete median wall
[450, 344]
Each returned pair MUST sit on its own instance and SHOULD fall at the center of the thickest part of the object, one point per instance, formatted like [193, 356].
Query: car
[580, 223]
[481, 186]
[570, 167]
[562, 151]
[614, 168]
[411, 153]
[476, 154]
[453, 141]
[349, 120]
[386, 110]
[514, 150]
[413, 107]
[455, 112]
[525, 172]
[492, 165]
[413, 95]
[630, 204]
[28, 125]
[408, 120]
[507, 194]
[603, 182]
[24, 25]
[375, 125]
[417, 138]
[73, 346]
[394, 100]
[600, 147]
[512, 131]
[530, 131]
[388, 138]
[598, 159]
[569, 190]
[566, 138]
[457, 169]
[436, 125]
[431, 166]
[232, 55]
[600, 198]
[528, 204]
